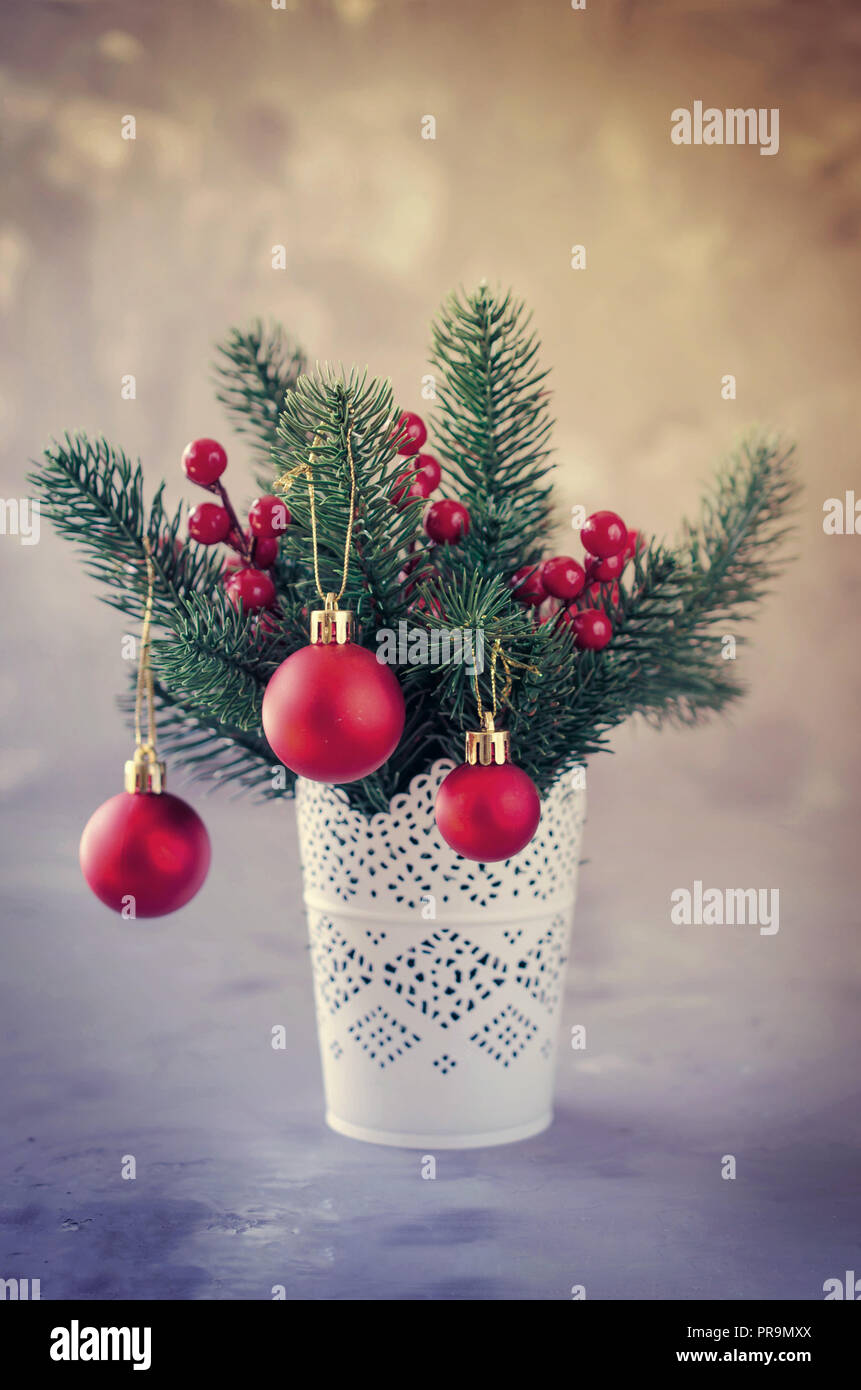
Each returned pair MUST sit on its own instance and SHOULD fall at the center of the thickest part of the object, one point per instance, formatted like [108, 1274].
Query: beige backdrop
[302, 126]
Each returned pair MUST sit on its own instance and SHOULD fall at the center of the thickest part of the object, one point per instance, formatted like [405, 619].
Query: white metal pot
[437, 981]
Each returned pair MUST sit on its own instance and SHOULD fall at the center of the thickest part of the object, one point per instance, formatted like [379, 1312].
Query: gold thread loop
[306, 470]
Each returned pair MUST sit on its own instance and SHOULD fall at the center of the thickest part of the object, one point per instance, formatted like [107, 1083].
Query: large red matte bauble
[333, 713]
[603, 534]
[144, 852]
[487, 813]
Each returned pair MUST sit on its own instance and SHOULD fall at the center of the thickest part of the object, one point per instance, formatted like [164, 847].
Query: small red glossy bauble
[527, 585]
[563, 577]
[592, 629]
[446, 521]
[487, 813]
[333, 713]
[145, 854]
[269, 517]
[428, 468]
[204, 461]
[410, 432]
[251, 587]
[208, 523]
[603, 534]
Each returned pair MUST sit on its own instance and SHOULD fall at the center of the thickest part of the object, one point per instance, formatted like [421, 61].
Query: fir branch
[94, 495]
[257, 371]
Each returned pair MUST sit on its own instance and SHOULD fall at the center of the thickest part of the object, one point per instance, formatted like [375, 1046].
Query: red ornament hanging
[331, 711]
[144, 852]
[527, 586]
[488, 809]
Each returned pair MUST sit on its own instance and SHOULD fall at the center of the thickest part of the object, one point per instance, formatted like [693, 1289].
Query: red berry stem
[242, 548]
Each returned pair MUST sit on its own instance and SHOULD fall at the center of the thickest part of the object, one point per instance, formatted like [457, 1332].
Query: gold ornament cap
[488, 745]
[145, 772]
[331, 624]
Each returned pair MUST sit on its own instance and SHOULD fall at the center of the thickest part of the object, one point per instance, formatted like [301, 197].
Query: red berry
[251, 587]
[446, 521]
[597, 593]
[269, 517]
[428, 467]
[603, 534]
[606, 570]
[204, 461]
[265, 552]
[409, 487]
[208, 523]
[592, 629]
[527, 585]
[410, 433]
[635, 543]
[563, 577]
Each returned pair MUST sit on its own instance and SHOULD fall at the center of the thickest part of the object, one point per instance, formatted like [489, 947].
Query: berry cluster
[445, 521]
[256, 548]
[570, 592]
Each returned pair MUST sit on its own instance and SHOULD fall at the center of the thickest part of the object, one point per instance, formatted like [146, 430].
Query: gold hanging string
[306, 470]
[145, 679]
[487, 718]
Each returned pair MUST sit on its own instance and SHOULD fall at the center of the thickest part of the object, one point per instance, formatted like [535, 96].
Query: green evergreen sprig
[492, 430]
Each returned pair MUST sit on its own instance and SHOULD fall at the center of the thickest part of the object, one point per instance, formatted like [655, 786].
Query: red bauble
[603, 534]
[208, 523]
[563, 577]
[251, 587]
[446, 521]
[527, 585]
[204, 461]
[592, 629]
[333, 713]
[410, 432]
[487, 813]
[428, 468]
[268, 517]
[145, 853]
[605, 571]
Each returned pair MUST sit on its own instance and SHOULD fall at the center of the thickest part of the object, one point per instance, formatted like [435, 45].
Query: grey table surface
[153, 1040]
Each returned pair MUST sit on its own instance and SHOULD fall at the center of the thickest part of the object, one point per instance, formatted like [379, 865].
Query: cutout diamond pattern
[445, 976]
[382, 1037]
[541, 971]
[340, 969]
[505, 1037]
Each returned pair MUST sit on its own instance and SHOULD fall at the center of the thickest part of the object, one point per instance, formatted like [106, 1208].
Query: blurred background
[301, 126]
